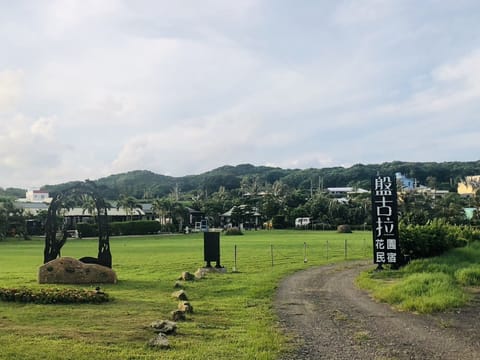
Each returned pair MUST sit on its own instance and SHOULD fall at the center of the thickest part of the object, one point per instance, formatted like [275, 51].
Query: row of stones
[163, 328]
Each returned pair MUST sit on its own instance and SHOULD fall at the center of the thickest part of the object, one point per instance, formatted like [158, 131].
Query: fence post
[345, 249]
[235, 258]
[305, 252]
[327, 250]
[271, 253]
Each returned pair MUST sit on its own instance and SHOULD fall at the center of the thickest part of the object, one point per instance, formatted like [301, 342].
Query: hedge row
[423, 241]
[140, 227]
[53, 296]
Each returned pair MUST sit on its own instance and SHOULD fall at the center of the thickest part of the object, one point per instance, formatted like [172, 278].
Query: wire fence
[279, 255]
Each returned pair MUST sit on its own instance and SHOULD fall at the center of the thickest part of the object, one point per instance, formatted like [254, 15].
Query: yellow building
[470, 186]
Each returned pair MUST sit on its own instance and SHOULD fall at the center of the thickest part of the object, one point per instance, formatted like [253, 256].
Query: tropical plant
[89, 206]
[162, 208]
[129, 204]
[179, 213]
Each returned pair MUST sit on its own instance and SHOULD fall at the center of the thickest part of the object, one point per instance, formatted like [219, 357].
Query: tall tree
[179, 213]
[162, 208]
[129, 204]
[89, 206]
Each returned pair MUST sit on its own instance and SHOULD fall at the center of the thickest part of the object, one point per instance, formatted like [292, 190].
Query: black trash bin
[211, 248]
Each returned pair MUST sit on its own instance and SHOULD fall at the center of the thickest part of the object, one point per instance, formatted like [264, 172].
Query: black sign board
[211, 248]
[386, 248]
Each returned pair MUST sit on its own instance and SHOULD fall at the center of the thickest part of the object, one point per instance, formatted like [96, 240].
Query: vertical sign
[386, 248]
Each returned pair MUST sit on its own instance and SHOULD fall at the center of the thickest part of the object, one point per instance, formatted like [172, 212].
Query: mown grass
[233, 315]
[428, 285]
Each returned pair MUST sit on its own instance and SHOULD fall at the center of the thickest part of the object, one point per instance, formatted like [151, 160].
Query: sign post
[211, 248]
[386, 247]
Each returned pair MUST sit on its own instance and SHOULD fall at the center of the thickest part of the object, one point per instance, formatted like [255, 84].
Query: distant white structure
[37, 196]
[342, 191]
[34, 202]
[302, 222]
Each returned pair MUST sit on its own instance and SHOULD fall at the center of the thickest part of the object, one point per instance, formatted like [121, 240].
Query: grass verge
[428, 285]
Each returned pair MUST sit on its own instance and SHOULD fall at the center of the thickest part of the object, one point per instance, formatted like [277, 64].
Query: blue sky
[90, 88]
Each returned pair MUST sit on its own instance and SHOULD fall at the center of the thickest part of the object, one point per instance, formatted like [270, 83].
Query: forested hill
[144, 184]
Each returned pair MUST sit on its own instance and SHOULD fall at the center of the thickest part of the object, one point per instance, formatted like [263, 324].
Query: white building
[37, 196]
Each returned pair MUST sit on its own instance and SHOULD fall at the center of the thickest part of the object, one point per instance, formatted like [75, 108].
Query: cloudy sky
[90, 88]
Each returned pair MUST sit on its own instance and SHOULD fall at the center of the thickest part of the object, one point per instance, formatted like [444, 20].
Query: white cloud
[356, 12]
[29, 149]
[451, 85]
[10, 88]
[43, 127]
[190, 146]
[89, 88]
[64, 16]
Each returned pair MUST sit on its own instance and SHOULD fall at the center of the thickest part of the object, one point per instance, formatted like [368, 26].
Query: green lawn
[233, 315]
[428, 285]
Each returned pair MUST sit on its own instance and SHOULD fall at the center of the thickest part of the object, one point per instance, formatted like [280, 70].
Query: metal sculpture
[63, 200]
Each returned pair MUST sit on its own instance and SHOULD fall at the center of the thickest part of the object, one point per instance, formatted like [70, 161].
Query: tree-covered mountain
[143, 184]
[278, 196]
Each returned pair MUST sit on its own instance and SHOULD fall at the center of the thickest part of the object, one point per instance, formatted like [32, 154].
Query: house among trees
[195, 218]
[80, 215]
[35, 196]
[407, 184]
[243, 216]
[345, 191]
[38, 196]
[34, 202]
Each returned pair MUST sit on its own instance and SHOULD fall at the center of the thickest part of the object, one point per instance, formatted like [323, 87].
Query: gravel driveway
[329, 318]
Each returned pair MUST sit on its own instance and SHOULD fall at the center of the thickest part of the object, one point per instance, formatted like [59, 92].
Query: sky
[90, 88]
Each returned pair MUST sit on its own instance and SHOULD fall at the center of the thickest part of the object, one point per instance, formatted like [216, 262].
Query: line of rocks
[162, 328]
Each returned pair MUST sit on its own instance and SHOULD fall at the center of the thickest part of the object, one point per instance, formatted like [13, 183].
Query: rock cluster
[167, 327]
[67, 270]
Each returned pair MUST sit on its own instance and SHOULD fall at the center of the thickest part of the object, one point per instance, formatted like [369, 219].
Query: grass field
[233, 315]
[428, 285]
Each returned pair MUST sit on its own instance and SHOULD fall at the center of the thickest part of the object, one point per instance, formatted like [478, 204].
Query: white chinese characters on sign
[384, 214]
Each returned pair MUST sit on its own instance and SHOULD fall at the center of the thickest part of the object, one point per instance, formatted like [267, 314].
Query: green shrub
[468, 276]
[278, 222]
[87, 229]
[423, 241]
[169, 228]
[344, 229]
[233, 231]
[140, 227]
[53, 296]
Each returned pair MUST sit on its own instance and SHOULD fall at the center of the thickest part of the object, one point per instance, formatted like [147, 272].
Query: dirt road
[330, 318]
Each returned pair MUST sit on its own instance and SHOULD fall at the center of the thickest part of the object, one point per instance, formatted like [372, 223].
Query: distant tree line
[282, 195]
[143, 184]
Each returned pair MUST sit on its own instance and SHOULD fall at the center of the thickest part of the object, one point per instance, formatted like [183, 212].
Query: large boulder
[67, 270]
[345, 229]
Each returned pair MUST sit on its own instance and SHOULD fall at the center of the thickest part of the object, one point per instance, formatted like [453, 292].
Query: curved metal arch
[53, 245]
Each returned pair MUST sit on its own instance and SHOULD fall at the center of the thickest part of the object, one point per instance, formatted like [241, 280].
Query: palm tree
[89, 206]
[129, 203]
[161, 207]
[179, 212]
